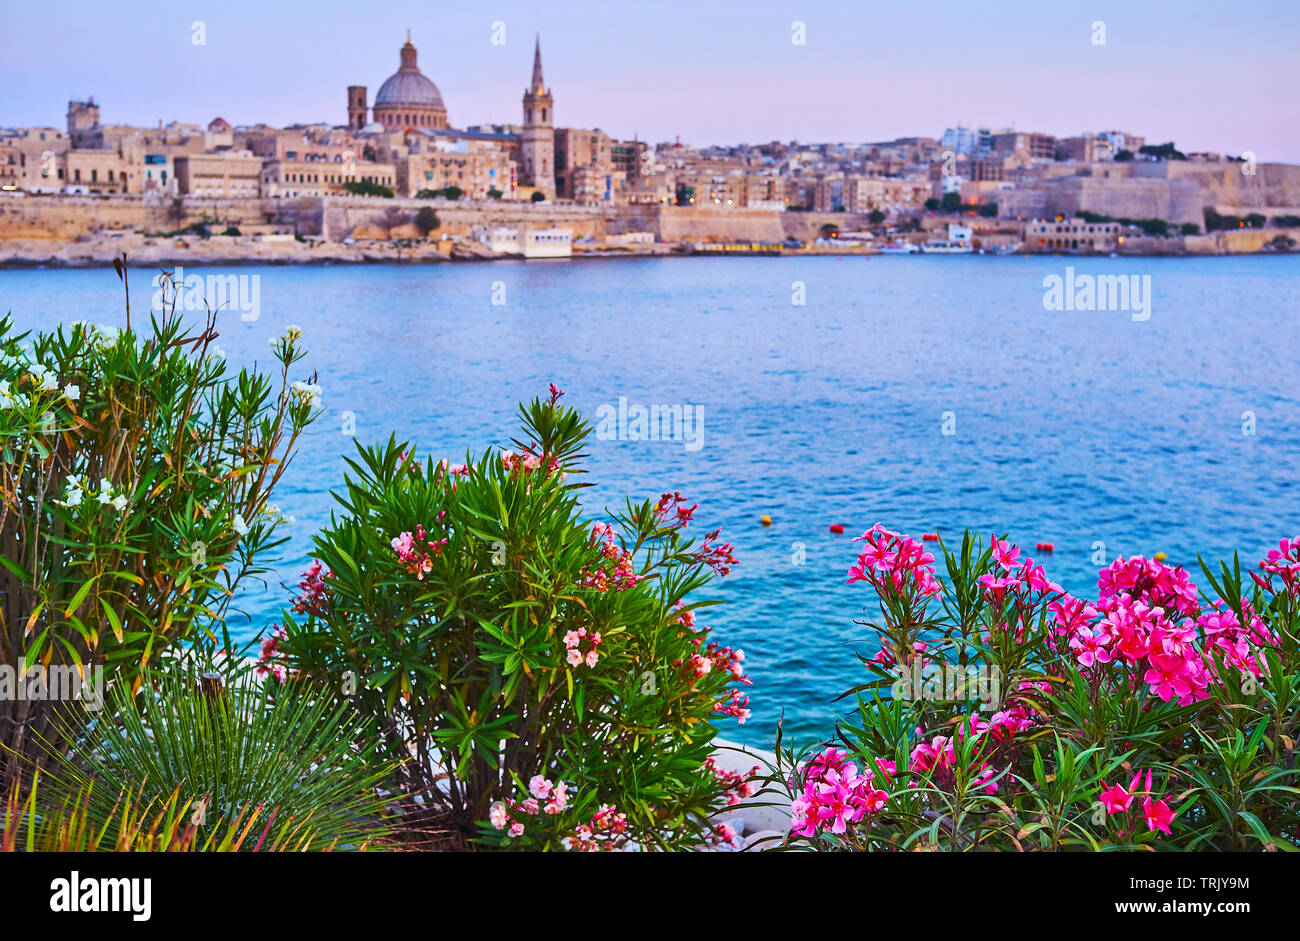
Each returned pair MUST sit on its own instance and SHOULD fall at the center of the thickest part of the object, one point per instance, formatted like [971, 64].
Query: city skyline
[697, 71]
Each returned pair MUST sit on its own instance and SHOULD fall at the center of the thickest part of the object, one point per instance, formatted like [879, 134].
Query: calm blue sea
[1070, 427]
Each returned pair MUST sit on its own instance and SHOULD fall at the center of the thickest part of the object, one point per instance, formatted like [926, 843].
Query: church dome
[408, 87]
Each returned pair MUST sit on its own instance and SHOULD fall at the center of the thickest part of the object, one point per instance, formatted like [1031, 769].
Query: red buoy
[836, 528]
[930, 537]
[1045, 547]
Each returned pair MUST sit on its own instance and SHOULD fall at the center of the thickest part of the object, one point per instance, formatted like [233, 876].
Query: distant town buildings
[404, 144]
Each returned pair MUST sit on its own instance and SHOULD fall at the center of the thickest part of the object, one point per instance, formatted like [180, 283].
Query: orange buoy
[766, 520]
[1045, 547]
[836, 528]
[1160, 557]
[930, 537]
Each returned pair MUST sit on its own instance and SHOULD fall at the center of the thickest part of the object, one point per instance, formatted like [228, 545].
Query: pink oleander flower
[499, 816]
[1116, 799]
[1072, 613]
[314, 593]
[1005, 725]
[559, 799]
[724, 834]
[539, 787]
[416, 551]
[1158, 815]
[891, 562]
[1284, 561]
[1036, 579]
[574, 654]
[1004, 553]
[736, 786]
[835, 796]
[1155, 584]
[719, 558]
[1090, 646]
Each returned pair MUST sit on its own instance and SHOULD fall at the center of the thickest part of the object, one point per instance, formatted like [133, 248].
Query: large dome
[407, 87]
[408, 90]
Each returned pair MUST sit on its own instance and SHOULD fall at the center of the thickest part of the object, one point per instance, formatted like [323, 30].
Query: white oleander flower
[44, 378]
[308, 392]
[239, 526]
[119, 503]
[75, 494]
[72, 392]
[292, 332]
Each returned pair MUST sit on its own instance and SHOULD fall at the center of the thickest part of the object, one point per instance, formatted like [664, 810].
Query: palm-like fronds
[249, 753]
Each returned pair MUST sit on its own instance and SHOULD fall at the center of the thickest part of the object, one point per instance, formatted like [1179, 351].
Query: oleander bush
[1005, 714]
[134, 498]
[543, 672]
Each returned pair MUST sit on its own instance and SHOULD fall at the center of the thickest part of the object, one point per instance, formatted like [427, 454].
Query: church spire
[538, 83]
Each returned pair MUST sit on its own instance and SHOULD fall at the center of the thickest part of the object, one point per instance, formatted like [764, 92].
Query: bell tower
[537, 143]
[356, 107]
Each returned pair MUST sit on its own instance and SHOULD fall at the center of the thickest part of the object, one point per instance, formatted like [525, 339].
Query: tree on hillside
[426, 220]
[539, 197]
[1166, 151]
[366, 188]
[876, 217]
[951, 202]
[393, 217]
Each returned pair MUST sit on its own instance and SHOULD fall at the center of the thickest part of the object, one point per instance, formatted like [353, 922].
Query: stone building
[584, 166]
[288, 178]
[227, 175]
[479, 164]
[84, 130]
[1070, 235]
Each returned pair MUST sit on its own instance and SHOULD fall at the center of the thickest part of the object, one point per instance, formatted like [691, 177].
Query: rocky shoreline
[96, 251]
